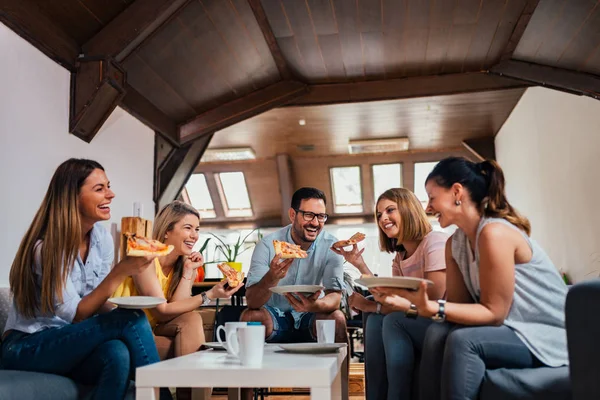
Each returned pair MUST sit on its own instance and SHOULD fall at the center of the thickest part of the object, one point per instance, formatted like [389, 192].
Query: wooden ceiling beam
[422, 86]
[25, 18]
[129, 29]
[519, 30]
[255, 103]
[556, 78]
[265, 27]
[483, 148]
[142, 109]
[172, 175]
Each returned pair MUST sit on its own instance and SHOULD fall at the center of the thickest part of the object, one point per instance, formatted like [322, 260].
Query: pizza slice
[357, 237]
[288, 250]
[234, 278]
[139, 246]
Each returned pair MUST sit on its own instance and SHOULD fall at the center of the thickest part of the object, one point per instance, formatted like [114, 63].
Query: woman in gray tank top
[505, 298]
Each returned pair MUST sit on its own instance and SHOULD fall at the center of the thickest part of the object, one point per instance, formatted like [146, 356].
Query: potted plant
[230, 252]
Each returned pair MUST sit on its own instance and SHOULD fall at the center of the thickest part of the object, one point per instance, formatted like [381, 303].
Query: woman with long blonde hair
[176, 324]
[61, 279]
[404, 229]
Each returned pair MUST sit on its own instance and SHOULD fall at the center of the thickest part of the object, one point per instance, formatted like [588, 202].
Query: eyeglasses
[309, 216]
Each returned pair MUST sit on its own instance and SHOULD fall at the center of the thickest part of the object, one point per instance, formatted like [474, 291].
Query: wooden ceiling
[437, 122]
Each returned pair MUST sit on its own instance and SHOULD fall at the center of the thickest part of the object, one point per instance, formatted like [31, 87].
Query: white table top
[210, 368]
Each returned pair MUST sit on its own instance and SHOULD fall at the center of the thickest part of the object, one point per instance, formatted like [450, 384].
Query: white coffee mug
[228, 328]
[325, 331]
[251, 341]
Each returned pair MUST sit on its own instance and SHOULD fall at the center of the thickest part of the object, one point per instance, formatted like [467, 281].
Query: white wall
[34, 140]
[549, 149]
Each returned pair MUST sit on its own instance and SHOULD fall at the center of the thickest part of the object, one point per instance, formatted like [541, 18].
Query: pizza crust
[357, 237]
[288, 250]
[138, 246]
[234, 278]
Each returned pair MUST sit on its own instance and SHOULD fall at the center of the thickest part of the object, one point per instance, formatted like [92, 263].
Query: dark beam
[25, 18]
[422, 86]
[520, 27]
[561, 79]
[240, 109]
[141, 108]
[482, 148]
[265, 27]
[129, 29]
[286, 186]
[177, 169]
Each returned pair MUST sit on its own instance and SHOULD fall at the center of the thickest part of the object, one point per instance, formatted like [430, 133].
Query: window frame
[360, 185]
[226, 209]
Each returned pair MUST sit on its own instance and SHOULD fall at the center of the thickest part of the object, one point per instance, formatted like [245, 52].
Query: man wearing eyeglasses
[292, 317]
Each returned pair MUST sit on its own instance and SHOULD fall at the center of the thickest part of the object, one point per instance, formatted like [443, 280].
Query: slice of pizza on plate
[288, 250]
[234, 278]
[357, 237]
[139, 246]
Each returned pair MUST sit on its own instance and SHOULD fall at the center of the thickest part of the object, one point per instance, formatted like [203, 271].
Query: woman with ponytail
[505, 298]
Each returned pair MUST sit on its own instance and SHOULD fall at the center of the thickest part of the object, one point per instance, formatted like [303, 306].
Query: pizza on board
[234, 278]
[357, 237]
[288, 250]
[139, 246]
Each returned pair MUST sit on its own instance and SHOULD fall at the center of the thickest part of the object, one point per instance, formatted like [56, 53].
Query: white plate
[296, 289]
[402, 282]
[311, 348]
[214, 345]
[137, 301]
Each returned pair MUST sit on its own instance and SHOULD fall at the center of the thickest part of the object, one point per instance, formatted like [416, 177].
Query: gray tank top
[537, 313]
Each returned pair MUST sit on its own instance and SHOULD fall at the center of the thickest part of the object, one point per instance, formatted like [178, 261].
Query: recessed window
[347, 192]
[386, 176]
[421, 171]
[235, 192]
[196, 193]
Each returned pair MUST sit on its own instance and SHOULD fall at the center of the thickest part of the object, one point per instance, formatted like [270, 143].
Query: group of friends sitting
[496, 299]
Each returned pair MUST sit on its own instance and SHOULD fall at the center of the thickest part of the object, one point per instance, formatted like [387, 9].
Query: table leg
[334, 392]
[345, 380]
[145, 393]
[234, 394]
[201, 393]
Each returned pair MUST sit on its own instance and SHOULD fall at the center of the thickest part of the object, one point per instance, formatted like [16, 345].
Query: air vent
[305, 147]
[377, 145]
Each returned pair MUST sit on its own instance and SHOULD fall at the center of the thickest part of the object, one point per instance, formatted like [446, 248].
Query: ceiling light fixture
[228, 154]
[302, 122]
[386, 145]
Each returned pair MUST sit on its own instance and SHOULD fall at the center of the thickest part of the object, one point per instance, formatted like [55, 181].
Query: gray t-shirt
[537, 312]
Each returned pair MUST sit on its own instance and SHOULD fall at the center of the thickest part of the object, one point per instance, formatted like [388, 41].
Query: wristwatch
[440, 316]
[378, 308]
[412, 312]
[205, 299]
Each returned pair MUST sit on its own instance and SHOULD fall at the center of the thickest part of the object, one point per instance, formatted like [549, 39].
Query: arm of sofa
[583, 331]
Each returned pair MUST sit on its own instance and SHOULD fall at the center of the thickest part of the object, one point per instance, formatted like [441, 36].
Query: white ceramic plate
[214, 345]
[402, 282]
[309, 289]
[311, 348]
[137, 301]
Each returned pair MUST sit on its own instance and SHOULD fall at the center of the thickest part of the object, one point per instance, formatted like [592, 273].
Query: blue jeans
[457, 356]
[102, 351]
[284, 327]
[393, 347]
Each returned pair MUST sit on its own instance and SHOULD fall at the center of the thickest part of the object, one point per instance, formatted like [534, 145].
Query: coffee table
[325, 374]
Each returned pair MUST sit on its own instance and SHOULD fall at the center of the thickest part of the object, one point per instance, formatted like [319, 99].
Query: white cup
[228, 328]
[325, 331]
[251, 341]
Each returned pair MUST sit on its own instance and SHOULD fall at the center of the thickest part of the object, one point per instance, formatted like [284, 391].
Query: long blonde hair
[164, 222]
[414, 224]
[58, 224]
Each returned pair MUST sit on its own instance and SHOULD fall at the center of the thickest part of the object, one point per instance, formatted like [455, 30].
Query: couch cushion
[19, 385]
[530, 383]
[4, 306]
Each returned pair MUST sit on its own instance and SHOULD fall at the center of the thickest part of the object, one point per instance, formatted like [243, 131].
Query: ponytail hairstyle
[485, 183]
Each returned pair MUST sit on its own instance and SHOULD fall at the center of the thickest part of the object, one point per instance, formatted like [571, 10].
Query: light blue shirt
[82, 280]
[321, 267]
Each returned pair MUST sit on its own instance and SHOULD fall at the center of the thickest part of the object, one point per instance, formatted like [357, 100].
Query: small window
[347, 192]
[386, 176]
[197, 194]
[421, 171]
[235, 193]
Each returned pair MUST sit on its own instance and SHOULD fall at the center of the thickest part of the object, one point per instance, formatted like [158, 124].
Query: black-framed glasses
[309, 216]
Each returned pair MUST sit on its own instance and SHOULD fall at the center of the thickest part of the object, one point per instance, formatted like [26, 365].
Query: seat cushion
[19, 385]
[529, 383]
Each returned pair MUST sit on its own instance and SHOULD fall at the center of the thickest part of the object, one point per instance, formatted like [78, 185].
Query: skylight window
[347, 191]
[386, 176]
[235, 194]
[196, 191]
[421, 171]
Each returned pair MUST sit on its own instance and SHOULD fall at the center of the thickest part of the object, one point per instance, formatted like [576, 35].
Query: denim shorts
[284, 327]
